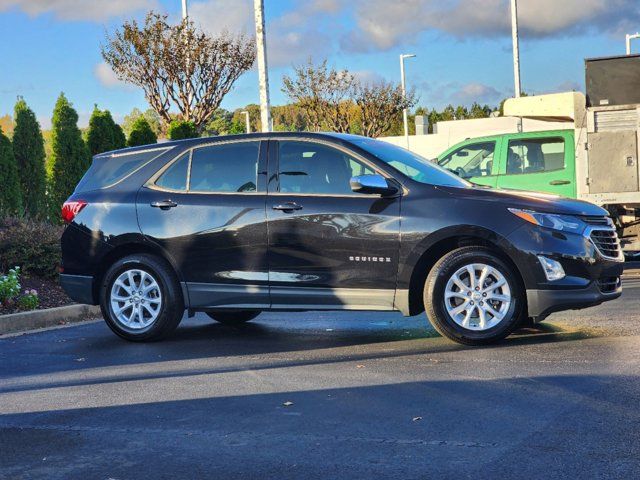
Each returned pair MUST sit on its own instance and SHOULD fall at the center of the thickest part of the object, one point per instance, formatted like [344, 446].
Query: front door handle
[287, 207]
[164, 204]
[559, 182]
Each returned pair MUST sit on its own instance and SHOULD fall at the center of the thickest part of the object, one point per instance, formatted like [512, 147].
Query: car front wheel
[141, 298]
[473, 297]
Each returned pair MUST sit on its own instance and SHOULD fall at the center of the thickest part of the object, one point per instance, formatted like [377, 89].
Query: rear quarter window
[107, 170]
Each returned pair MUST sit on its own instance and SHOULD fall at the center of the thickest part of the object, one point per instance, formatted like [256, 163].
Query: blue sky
[463, 46]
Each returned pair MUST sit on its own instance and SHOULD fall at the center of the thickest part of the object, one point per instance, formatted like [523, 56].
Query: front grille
[597, 221]
[609, 284]
[607, 243]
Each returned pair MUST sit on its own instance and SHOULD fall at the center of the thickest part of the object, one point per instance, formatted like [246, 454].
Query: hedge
[32, 245]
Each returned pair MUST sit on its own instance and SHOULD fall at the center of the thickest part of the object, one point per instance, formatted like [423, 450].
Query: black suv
[232, 226]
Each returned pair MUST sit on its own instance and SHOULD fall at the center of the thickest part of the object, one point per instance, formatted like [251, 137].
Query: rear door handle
[164, 204]
[559, 182]
[287, 207]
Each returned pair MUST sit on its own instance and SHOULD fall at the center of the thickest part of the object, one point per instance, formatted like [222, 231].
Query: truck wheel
[472, 297]
[140, 298]
[234, 318]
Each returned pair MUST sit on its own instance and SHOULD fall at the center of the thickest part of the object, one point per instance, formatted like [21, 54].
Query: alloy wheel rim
[477, 297]
[136, 299]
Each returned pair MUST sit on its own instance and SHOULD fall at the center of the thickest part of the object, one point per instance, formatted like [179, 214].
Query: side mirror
[372, 184]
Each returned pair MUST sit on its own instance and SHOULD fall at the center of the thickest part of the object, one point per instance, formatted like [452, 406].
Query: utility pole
[404, 96]
[185, 12]
[247, 121]
[263, 73]
[629, 38]
[516, 47]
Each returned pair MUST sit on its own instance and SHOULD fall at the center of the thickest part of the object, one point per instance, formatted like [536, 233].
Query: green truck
[537, 161]
[593, 156]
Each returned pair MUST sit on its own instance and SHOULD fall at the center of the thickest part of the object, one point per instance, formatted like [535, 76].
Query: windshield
[473, 160]
[410, 164]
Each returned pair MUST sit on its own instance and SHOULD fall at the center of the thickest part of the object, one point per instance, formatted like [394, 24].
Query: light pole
[185, 15]
[263, 73]
[247, 121]
[516, 47]
[404, 95]
[629, 38]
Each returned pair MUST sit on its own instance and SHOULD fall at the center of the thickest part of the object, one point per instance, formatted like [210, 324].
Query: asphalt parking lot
[326, 395]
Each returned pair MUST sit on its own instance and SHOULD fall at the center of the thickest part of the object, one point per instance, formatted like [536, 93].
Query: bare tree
[323, 93]
[381, 103]
[178, 66]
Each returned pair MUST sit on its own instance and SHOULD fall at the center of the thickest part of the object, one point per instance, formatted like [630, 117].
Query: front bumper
[541, 303]
[590, 277]
[78, 287]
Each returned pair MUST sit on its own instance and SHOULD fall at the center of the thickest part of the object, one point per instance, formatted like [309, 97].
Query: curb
[50, 317]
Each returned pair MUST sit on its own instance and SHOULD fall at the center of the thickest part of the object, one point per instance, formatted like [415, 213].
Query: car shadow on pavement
[210, 348]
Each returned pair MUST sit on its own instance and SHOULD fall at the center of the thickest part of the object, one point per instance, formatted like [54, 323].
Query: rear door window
[225, 168]
[107, 170]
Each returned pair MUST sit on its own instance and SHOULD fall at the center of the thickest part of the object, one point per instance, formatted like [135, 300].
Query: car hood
[541, 202]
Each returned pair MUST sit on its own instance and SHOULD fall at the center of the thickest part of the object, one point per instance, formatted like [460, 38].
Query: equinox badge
[370, 259]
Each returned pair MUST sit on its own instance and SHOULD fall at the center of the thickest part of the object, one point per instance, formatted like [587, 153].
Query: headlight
[564, 223]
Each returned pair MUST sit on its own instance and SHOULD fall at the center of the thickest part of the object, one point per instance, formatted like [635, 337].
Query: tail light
[72, 208]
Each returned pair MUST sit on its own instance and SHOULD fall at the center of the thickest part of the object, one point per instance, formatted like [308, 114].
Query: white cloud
[384, 25]
[303, 33]
[93, 10]
[216, 16]
[107, 77]
[368, 76]
[291, 47]
[456, 93]
[475, 92]
[308, 11]
[291, 38]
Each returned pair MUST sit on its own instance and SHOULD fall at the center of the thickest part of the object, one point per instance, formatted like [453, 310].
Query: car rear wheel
[140, 298]
[473, 297]
[234, 318]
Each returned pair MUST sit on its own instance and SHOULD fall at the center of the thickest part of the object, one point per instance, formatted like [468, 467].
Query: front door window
[313, 168]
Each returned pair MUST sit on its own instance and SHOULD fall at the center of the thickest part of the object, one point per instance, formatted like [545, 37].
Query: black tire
[233, 317]
[171, 308]
[434, 297]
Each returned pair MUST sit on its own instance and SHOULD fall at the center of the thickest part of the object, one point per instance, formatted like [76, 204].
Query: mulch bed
[49, 291]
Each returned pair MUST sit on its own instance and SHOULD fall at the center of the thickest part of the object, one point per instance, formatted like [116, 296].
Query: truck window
[474, 160]
[535, 155]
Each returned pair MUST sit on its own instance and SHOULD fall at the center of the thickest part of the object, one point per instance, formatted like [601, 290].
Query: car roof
[225, 138]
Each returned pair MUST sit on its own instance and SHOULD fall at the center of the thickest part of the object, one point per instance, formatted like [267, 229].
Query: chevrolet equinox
[233, 226]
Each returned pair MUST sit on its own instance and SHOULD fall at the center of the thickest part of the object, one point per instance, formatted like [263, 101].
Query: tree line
[35, 183]
[291, 117]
